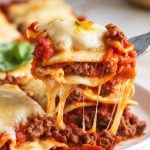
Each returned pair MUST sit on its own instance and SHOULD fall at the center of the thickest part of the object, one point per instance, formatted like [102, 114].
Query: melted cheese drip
[118, 96]
[65, 91]
[52, 91]
[93, 129]
[83, 117]
[121, 105]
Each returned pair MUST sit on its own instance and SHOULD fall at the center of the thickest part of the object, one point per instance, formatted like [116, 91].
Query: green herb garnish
[14, 55]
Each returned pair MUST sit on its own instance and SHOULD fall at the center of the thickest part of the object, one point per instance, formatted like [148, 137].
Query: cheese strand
[52, 91]
[121, 106]
[65, 91]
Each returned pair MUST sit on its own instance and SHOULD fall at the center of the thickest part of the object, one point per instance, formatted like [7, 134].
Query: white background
[131, 19]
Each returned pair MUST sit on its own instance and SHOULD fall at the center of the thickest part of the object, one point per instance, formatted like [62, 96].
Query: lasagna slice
[89, 73]
[23, 14]
[23, 123]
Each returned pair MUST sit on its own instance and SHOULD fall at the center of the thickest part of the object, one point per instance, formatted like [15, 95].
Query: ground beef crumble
[89, 69]
[41, 127]
[114, 33]
[130, 125]
[73, 135]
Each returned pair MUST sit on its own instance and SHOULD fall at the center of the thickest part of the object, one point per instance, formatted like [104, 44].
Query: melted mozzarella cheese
[63, 91]
[52, 88]
[122, 103]
[15, 108]
[71, 35]
[93, 129]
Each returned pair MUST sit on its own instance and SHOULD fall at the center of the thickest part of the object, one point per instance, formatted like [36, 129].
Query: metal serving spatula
[141, 43]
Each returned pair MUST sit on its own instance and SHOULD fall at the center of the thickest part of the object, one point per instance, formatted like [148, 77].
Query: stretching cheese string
[121, 105]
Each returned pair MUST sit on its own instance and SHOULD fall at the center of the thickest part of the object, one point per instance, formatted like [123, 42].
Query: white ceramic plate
[142, 96]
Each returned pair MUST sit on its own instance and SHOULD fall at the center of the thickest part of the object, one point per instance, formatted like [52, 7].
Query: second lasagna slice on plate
[22, 122]
[23, 14]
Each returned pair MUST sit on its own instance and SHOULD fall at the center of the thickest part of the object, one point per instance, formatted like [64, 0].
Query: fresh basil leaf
[21, 51]
[14, 55]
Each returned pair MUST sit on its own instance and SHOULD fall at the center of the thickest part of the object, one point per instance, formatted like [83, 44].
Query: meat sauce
[125, 62]
[44, 127]
[73, 135]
